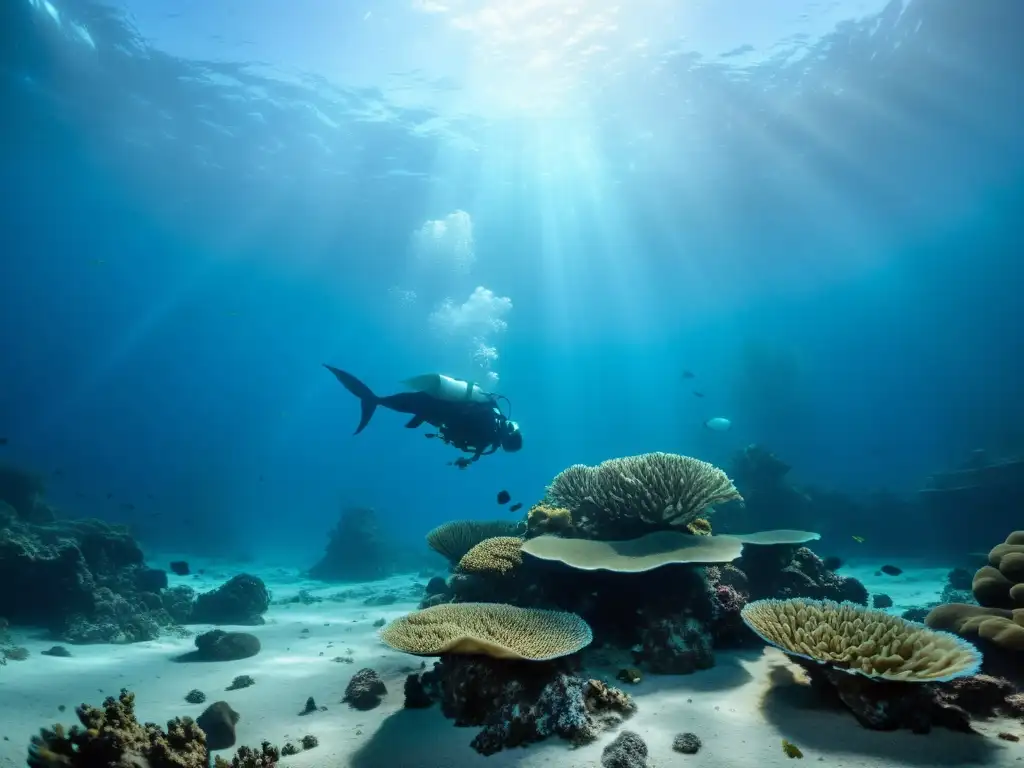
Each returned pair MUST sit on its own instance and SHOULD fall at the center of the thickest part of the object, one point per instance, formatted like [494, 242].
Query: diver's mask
[511, 438]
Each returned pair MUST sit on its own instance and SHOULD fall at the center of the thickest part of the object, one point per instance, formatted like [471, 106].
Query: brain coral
[488, 629]
[499, 554]
[455, 538]
[858, 640]
[657, 488]
[999, 589]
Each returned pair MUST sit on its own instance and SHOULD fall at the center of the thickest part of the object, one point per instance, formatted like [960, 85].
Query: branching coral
[653, 489]
[112, 737]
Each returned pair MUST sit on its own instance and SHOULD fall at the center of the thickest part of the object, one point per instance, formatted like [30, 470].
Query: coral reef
[452, 540]
[111, 737]
[84, 580]
[543, 518]
[243, 599]
[497, 630]
[497, 555]
[878, 665]
[997, 622]
[517, 703]
[627, 497]
[356, 550]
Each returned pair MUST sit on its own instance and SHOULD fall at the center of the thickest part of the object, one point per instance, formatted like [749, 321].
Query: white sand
[741, 709]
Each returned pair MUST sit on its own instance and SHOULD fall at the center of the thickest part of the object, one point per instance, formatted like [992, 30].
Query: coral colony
[528, 609]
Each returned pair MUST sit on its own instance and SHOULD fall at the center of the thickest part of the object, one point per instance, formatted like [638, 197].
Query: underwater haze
[629, 219]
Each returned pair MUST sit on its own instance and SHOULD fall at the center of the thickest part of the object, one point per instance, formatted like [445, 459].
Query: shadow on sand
[818, 724]
[423, 738]
[729, 672]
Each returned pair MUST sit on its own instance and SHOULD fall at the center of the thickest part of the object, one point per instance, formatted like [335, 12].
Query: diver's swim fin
[367, 400]
[414, 422]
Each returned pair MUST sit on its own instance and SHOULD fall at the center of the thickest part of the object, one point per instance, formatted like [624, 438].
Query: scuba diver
[465, 416]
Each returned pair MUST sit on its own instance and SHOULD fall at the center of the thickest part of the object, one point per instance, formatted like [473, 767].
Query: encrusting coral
[497, 555]
[623, 497]
[489, 629]
[544, 518]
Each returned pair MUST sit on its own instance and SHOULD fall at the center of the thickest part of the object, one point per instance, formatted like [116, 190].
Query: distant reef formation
[356, 550]
[989, 486]
[87, 581]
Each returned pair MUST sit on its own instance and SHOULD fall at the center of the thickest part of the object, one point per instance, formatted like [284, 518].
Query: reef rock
[365, 690]
[242, 600]
[518, 703]
[355, 551]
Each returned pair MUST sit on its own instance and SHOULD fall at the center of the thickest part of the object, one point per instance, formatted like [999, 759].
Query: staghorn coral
[622, 497]
[112, 737]
[862, 641]
[497, 555]
[491, 629]
[999, 589]
[455, 538]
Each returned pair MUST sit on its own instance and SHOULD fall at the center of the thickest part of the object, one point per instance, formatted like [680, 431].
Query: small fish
[128, 507]
[688, 374]
[3, 441]
[718, 424]
[891, 570]
[858, 539]
[180, 567]
[504, 497]
[832, 563]
[98, 262]
[697, 394]
[516, 507]
[110, 495]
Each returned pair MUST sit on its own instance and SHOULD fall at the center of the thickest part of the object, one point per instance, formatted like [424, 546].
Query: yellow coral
[489, 629]
[544, 518]
[699, 527]
[860, 640]
[498, 554]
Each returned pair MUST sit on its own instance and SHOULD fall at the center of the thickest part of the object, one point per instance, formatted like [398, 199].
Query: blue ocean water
[813, 207]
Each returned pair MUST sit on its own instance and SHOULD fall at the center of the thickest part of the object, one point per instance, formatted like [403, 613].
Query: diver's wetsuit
[472, 427]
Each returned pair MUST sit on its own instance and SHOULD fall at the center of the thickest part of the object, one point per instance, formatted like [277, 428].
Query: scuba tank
[446, 388]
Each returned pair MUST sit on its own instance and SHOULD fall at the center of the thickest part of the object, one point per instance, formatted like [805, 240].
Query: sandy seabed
[741, 709]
